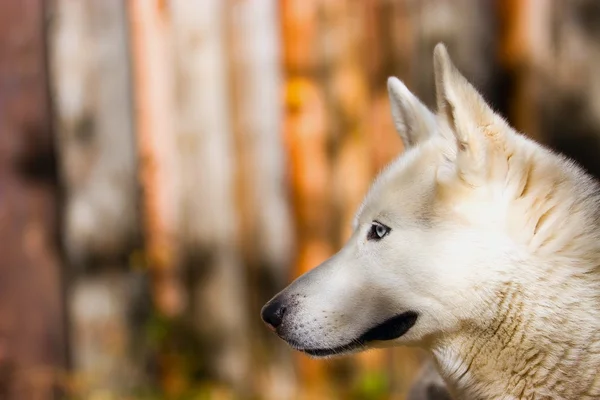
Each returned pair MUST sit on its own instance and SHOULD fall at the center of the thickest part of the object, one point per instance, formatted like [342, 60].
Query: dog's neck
[535, 347]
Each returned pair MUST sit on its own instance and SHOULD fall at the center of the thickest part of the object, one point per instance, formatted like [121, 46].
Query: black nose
[273, 313]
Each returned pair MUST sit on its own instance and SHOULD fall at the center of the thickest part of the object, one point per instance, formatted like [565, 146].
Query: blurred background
[166, 166]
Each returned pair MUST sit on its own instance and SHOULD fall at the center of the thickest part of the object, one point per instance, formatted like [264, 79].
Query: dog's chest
[494, 372]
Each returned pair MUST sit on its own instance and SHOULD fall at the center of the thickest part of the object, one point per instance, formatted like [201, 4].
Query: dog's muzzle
[274, 312]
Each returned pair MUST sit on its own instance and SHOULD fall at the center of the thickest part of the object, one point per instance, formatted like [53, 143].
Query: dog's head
[434, 239]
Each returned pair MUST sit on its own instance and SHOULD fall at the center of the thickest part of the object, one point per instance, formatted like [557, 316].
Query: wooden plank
[524, 42]
[159, 174]
[91, 87]
[389, 49]
[209, 218]
[306, 137]
[158, 168]
[256, 79]
[32, 334]
[266, 233]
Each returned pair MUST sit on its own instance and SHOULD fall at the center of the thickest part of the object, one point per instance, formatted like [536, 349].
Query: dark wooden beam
[32, 342]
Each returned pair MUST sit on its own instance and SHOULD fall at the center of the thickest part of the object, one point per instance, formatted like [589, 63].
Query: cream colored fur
[494, 242]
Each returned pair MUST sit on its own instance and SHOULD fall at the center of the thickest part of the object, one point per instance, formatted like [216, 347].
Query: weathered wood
[209, 220]
[524, 39]
[256, 80]
[306, 137]
[32, 339]
[93, 114]
[265, 235]
[158, 168]
[157, 146]
[91, 87]
[390, 44]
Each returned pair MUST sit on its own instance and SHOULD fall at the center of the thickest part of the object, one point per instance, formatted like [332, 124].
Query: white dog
[477, 244]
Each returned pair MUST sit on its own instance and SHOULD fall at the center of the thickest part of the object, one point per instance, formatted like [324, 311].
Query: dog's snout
[272, 313]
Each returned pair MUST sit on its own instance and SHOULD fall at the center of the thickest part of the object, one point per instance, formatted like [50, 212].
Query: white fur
[495, 242]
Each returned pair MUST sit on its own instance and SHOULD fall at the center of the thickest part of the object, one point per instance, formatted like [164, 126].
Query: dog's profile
[476, 244]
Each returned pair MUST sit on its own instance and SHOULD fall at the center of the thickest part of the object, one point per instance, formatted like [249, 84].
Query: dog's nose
[272, 313]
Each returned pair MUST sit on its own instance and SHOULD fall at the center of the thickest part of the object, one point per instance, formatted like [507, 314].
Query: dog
[477, 244]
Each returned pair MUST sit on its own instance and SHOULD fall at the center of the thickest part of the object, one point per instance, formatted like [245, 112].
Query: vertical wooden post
[525, 40]
[94, 135]
[32, 340]
[153, 83]
[306, 137]
[209, 219]
[257, 116]
[154, 105]
[255, 77]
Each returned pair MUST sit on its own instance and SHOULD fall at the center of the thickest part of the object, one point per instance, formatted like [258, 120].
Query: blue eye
[378, 231]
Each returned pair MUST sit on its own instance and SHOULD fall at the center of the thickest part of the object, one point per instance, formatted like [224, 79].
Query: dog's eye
[378, 231]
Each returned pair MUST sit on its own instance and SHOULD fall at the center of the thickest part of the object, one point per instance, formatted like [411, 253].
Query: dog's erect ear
[413, 120]
[475, 125]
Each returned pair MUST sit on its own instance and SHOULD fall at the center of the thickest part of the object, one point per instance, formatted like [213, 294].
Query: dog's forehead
[403, 187]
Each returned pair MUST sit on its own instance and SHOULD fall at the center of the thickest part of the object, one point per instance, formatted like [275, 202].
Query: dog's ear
[476, 127]
[413, 120]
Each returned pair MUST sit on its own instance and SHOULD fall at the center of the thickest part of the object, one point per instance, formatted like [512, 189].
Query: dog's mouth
[390, 329]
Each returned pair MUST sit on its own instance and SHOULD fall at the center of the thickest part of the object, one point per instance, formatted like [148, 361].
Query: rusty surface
[32, 347]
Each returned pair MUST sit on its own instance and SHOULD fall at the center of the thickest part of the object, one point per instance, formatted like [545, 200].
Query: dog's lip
[390, 329]
[324, 352]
